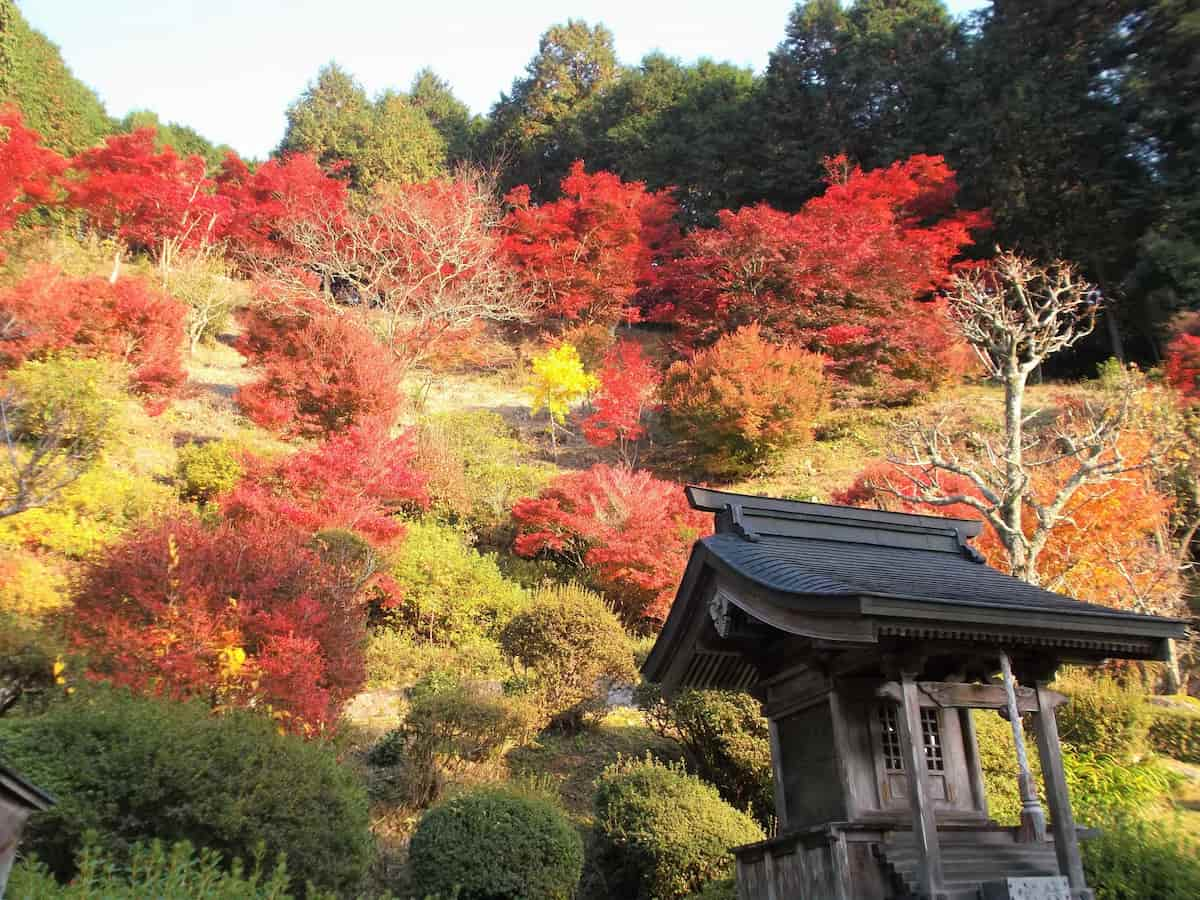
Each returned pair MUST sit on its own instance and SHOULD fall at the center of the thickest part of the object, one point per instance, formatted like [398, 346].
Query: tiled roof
[833, 568]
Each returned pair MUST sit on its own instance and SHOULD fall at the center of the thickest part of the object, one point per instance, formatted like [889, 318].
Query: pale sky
[229, 69]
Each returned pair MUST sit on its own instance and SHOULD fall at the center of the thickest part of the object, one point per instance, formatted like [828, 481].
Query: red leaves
[144, 197]
[242, 615]
[1182, 363]
[628, 384]
[844, 276]
[130, 321]
[584, 256]
[267, 607]
[629, 531]
[321, 373]
[28, 171]
[355, 481]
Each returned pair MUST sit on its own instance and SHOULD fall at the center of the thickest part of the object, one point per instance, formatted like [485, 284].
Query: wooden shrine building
[869, 637]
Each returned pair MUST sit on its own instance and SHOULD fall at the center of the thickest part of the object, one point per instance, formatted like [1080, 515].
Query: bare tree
[416, 261]
[40, 462]
[1016, 313]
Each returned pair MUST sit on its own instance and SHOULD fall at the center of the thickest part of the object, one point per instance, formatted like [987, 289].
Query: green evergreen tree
[534, 128]
[61, 108]
[450, 116]
[390, 139]
[874, 80]
[184, 140]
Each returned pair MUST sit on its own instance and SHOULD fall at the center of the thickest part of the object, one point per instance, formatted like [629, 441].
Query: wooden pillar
[1062, 821]
[966, 724]
[1033, 819]
[924, 821]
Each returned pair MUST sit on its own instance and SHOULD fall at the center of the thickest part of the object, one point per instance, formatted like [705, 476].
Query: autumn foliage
[626, 531]
[628, 390]
[128, 320]
[320, 372]
[585, 255]
[1182, 363]
[131, 190]
[1107, 548]
[851, 275]
[357, 480]
[745, 399]
[28, 171]
[242, 614]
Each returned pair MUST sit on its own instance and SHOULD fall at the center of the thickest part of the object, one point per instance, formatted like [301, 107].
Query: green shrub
[476, 468]
[1100, 786]
[395, 658]
[206, 284]
[1135, 859]
[75, 399]
[1103, 718]
[1175, 733]
[90, 513]
[133, 768]
[726, 739]
[491, 844]
[662, 833]
[206, 470]
[451, 592]
[451, 728]
[178, 873]
[574, 648]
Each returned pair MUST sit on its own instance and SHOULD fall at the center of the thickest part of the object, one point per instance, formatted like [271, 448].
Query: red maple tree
[241, 614]
[320, 372]
[585, 255]
[357, 481]
[628, 387]
[28, 171]
[149, 199]
[627, 531]
[128, 320]
[851, 275]
[1182, 363]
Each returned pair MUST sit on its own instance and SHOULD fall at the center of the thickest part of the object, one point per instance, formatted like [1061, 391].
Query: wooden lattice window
[931, 737]
[889, 736]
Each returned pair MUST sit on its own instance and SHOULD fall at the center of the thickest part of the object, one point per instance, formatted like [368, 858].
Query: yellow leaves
[230, 661]
[58, 669]
[558, 381]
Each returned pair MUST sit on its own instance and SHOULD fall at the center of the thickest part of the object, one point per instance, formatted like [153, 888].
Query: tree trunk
[1014, 473]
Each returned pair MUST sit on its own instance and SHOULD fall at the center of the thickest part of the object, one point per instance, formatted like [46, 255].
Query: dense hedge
[134, 769]
[1103, 718]
[492, 844]
[661, 833]
[1175, 733]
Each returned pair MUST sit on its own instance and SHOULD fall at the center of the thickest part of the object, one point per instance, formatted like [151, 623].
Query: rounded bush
[452, 592]
[491, 844]
[70, 400]
[662, 833]
[744, 399]
[133, 769]
[576, 648]
[206, 470]
[726, 738]
[1176, 733]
